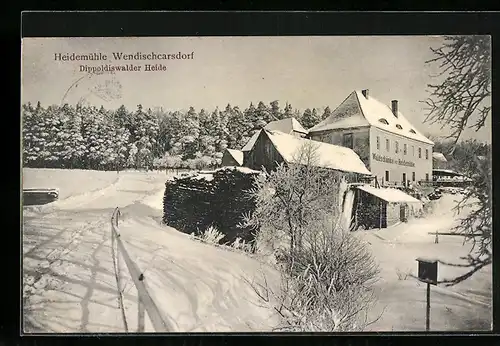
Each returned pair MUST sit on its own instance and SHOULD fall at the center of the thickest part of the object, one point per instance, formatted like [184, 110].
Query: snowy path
[69, 282]
[466, 306]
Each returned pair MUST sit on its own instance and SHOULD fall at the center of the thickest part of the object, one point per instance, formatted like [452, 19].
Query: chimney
[395, 108]
[365, 93]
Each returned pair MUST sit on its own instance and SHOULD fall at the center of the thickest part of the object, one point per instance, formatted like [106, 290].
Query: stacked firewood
[219, 198]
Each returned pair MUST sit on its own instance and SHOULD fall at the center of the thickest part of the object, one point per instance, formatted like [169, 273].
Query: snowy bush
[327, 273]
[211, 235]
[240, 244]
[403, 275]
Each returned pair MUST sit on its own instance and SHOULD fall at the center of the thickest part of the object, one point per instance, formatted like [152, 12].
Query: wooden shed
[383, 207]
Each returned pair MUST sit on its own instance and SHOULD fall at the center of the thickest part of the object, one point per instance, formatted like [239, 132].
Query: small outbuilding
[232, 157]
[383, 207]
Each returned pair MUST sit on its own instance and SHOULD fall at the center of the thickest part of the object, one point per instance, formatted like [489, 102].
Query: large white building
[389, 145]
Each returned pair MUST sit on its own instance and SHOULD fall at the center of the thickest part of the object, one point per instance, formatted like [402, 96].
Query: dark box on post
[427, 270]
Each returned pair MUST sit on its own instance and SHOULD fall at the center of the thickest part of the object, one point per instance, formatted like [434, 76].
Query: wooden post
[428, 273]
[140, 316]
[140, 311]
[380, 215]
[436, 240]
[428, 310]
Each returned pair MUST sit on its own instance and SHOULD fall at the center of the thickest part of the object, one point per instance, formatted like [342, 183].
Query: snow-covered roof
[251, 142]
[439, 157]
[389, 194]
[357, 110]
[329, 155]
[445, 171]
[287, 125]
[237, 155]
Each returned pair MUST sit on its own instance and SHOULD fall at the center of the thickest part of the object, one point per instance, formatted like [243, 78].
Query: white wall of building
[398, 162]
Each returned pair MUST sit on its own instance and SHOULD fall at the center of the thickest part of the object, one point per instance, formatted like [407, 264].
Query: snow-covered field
[69, 282]
[70, 286]
[70, 182]
[466, 306]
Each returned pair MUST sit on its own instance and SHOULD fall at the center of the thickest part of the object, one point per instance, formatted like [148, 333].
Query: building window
[426, 176]
[413, 150]
[396, 147]
[399, 126]
[404, 178]
[419, 153]
[404, 149]
[383, 121]
[413, 131]
[387, 145]
[386, 175]
[347, 140]
[378, 143]
[427, 154]
[413, 176]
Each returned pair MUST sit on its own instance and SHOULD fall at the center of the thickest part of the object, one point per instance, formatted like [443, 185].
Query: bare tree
[326, 272]
[464, 96]
[463, 100]
[288, 199]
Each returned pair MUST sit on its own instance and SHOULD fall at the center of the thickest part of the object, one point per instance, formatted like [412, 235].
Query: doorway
[402, 213]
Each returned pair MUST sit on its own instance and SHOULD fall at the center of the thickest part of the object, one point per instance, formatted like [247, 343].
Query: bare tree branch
[465, 65]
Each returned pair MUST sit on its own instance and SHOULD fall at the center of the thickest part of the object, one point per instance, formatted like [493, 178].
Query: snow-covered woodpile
[194, 202]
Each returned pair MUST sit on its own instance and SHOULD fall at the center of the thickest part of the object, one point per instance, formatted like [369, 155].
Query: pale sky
[307, 72]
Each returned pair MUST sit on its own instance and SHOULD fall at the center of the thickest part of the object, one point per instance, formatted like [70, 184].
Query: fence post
[428, 307]
[145, 301]
[140, 311]
[140, 317]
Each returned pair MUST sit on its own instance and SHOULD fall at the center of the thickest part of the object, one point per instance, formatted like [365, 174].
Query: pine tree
[288, 112]
[208, 136]
[221, 131]
[29, 127]
[327, 112]
[74, 146]
[190, 140]
[275, 111]
[90, 135]
[254, 122]
[263, 113]
[42, 136]
[310, 118]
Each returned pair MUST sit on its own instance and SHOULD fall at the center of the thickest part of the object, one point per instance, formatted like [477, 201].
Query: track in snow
[69, 281]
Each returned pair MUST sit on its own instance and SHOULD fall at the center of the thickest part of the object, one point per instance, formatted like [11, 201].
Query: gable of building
[287, 125]
[358, 110]
[237, 155]
[381, 116]
[263, 153]
[347, 114]
[251, 142]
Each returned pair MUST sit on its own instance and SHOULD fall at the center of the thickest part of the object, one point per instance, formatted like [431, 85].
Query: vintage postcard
[256, 184]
